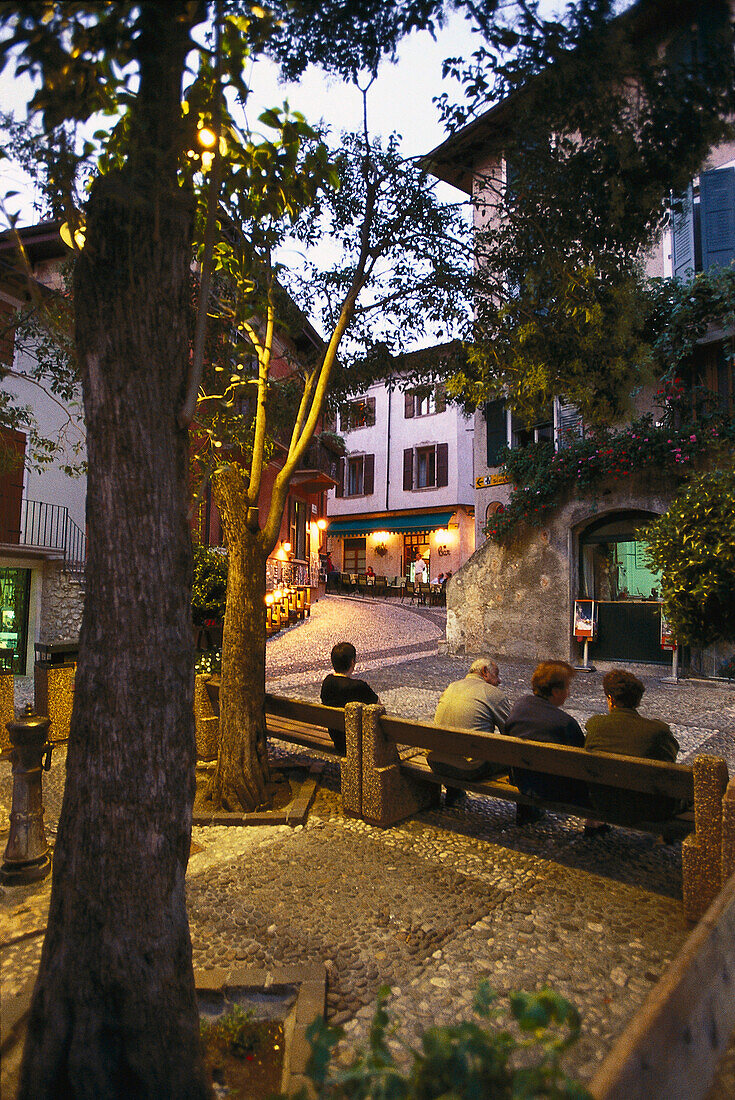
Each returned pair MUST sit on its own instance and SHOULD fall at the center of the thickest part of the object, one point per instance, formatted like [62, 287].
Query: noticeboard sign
[585, 619]
[668, 638]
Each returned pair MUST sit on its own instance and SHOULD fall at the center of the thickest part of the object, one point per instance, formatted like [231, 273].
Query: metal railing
[50, 527]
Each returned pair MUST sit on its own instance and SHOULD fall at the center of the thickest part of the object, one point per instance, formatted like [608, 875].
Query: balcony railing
[48, 527]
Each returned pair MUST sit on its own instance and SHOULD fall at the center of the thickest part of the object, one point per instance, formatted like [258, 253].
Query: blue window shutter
[717, 196]
[682, 236]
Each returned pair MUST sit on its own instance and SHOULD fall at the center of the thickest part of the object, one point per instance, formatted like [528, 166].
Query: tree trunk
[242, 774]
[114, 1010]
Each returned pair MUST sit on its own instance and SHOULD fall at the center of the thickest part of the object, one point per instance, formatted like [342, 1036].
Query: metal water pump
[27, 856]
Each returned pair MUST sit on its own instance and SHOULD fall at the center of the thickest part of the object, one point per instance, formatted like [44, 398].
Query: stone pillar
[7, 708]
[701, 855]
[351, 768]
[53, 695]
[728, 832]
[387, 795]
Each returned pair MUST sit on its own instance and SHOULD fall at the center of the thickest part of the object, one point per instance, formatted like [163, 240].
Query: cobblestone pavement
[436, 903]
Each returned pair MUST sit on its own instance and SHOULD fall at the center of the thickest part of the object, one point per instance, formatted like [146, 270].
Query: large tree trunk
[114, 1010]
[241, 779]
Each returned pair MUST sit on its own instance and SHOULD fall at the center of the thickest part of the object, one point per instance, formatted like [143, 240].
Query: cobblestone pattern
[438, 902]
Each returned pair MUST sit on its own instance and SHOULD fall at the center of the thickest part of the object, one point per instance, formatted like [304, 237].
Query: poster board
[585, 620]
[668, 639]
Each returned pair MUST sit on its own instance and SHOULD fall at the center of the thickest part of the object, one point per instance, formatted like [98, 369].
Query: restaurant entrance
[614, 571]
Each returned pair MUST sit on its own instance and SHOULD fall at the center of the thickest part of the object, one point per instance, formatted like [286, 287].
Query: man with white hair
[475, 703]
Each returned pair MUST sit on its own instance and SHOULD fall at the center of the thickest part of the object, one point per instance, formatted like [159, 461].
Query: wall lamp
[381, 539]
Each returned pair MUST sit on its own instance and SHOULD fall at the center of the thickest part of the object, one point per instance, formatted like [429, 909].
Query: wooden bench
[294, 720]
[625, 773]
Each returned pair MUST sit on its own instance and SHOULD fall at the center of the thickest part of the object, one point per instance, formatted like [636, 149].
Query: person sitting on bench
[539, 717]
[623, 730]
[474, 703]
[340, 687]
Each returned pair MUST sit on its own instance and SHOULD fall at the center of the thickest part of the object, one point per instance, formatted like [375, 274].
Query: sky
[400, 100]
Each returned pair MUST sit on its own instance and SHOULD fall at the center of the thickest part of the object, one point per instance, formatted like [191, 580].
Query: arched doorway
[613, 570]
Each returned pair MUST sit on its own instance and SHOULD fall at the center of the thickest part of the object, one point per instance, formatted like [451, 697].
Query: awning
[431, 521]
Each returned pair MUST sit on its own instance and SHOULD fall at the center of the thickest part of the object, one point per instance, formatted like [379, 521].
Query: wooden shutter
[495, 427]
[370, 412]
[12, 451]
[368, 475]
[408, 469]
[340, 487]
[442, 464]
[408, 407]
[717, 192]
[682, 236]
[440, 397]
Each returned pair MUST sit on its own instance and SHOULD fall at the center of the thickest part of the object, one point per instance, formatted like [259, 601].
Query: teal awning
[342, 528]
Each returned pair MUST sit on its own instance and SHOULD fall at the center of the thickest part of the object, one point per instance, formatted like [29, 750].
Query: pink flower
[692, 439]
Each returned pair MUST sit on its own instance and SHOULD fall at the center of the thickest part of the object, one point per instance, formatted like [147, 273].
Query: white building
[405, 485]
[42, 508]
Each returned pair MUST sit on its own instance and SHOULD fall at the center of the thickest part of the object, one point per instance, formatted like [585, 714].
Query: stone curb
[294, 814]
[311, 1001]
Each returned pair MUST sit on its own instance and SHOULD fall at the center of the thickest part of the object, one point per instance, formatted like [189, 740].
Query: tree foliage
[601, 125]
[693, 545]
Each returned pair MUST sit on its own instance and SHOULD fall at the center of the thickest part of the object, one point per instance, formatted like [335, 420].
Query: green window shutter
[682, 236]
[717, 197]
[495, 425]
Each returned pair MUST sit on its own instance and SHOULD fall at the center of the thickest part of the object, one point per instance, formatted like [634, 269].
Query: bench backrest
[300, 710]
[626, 772]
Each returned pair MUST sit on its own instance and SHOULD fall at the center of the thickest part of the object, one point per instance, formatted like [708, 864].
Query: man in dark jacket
[340, 687]
[539, 717]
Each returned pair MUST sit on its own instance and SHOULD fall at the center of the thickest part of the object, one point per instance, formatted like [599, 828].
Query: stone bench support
[388, 796]
[702, 851]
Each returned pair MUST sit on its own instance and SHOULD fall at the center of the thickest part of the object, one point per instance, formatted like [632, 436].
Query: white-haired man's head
[487, 669]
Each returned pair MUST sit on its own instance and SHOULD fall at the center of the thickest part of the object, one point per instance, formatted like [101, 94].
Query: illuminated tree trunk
[242, 774]
[114, 1010]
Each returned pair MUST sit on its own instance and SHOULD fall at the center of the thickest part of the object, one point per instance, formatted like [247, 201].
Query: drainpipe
[387, 457]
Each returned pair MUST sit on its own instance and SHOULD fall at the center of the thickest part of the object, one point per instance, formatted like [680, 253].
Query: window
[357, 414]
[703, 224]
[426, 467]
[424, 401]
[356, 476]
[523, 434]
[299, 529]
[354, 556]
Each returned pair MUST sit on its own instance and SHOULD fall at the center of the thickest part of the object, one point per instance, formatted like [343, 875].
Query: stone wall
[516, 600]
[61, 605]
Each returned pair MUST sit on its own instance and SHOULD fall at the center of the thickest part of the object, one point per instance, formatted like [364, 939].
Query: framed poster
[668, 640]
[585, 619]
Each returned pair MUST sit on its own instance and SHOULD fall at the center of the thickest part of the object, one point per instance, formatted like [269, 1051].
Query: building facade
[518, 599]
[404, 486]
[42, 507]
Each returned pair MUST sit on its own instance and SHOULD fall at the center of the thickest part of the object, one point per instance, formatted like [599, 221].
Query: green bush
[210, 584]
[511, 1054]
[693, 545]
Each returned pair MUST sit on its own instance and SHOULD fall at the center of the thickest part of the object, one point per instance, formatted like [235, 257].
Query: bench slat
[624, 772]
[301, 710]
[500, 786]
[299, 733]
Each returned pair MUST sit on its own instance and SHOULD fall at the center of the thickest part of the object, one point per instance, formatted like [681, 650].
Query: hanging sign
[491, 479]
[585, 619]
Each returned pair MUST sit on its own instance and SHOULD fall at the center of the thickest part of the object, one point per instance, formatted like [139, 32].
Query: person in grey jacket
[475, 703]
